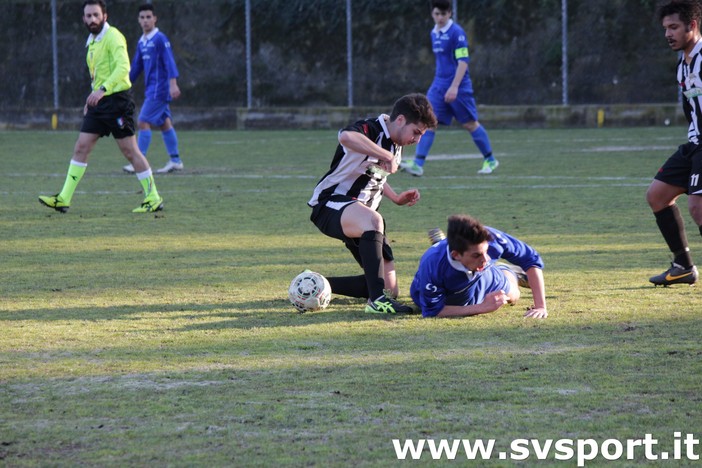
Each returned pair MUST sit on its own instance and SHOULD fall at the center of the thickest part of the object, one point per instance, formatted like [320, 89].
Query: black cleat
[676, 275]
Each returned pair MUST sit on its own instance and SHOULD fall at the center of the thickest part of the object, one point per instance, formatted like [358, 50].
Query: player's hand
[94, 98]
[390, 167]
[536, 312]
[174, 91]
[495, 300]
[451, 94]
[408, 197]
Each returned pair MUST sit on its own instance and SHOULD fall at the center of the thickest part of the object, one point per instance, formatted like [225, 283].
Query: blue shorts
[154, 112]
[463, 109]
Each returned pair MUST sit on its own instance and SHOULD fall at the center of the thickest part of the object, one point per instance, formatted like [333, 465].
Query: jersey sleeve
[362, 126]
[513, 250]
[168, 58]
[460, 46]
[137, 65]
[120, 71]
[431, 294]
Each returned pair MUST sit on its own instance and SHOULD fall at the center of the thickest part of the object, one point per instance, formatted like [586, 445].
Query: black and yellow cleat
[149, 206]
[386, 305]
[676, 275]
[54, 202]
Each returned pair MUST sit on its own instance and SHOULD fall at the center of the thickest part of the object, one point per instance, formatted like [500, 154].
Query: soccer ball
[309, 291]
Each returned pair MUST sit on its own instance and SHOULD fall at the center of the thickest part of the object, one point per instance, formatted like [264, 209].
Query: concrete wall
[219, 118]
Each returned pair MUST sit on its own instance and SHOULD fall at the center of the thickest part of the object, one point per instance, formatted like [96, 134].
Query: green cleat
[149, 206]
[386, 305]
[54, 202]
[411, 167]
[489, 166]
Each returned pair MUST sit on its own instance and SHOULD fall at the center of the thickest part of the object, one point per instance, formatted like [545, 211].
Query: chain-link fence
[299, 54]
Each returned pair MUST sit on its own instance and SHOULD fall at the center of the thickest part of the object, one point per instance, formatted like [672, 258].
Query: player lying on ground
[458, 276]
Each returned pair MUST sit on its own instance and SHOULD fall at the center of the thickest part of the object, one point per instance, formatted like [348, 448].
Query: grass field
[167, 339]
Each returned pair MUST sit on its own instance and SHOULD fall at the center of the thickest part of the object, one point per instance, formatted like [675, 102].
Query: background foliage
[616, 51]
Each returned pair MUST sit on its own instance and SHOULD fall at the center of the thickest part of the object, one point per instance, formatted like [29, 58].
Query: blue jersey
[450, 46]
[439, 277]
[155, 58]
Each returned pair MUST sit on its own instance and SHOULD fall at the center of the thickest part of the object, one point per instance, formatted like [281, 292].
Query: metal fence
[264, 53]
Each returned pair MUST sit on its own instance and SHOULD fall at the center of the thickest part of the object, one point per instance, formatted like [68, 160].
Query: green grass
[167, 339]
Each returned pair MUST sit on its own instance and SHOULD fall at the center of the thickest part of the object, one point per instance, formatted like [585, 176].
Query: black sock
[672, 227]
[352, 286]
[370, 249]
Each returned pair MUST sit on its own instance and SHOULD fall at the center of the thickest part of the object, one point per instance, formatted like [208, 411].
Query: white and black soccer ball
[309, 291]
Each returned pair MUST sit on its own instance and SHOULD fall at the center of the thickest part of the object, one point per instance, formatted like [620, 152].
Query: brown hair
[465, 231]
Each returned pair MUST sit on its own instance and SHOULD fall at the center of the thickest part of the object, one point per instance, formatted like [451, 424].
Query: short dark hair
[100, 3]
[147, 7]
[416, 108]
[464, 231]
[442, 5]
[687, 10]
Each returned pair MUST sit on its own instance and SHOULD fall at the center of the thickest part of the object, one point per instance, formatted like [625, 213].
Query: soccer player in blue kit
[458, 276]
[451, 92]
[155, 58]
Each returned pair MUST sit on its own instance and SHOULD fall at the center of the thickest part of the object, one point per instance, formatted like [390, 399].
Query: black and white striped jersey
[354, 174]
[691, 84]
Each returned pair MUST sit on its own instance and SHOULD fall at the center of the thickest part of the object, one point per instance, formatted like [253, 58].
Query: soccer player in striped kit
[451, 92]
[681, 172]
[346, 199]
[155, 58]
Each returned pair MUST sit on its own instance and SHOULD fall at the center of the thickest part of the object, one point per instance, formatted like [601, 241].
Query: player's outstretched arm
[538, 291]
[408, 197]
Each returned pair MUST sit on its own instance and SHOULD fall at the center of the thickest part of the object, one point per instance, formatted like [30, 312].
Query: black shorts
[683, 169]
[114, 115]
[328, 220]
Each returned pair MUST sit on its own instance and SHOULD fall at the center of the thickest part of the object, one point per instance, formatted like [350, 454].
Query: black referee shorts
[114, 115]
[328, 220]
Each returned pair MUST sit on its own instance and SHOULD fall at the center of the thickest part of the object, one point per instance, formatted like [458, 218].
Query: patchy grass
[167, 339]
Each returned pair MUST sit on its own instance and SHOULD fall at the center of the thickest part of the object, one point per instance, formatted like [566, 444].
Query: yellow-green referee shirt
[108, 60]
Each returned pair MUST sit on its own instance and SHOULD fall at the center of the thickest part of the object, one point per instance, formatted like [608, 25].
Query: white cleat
[489, 166]
[129, 169]
[170, 167]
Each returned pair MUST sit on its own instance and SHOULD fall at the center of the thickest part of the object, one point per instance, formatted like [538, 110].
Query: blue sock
[170, 139]
[144, 140]
[423, 147]
[482, 141]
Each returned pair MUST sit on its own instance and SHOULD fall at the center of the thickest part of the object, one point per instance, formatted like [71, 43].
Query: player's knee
[653, 200]
[514, 295]
[695, 207]
[471, 126]
[377, 222]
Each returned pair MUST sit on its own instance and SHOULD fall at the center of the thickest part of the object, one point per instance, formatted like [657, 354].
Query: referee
[109, 109]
